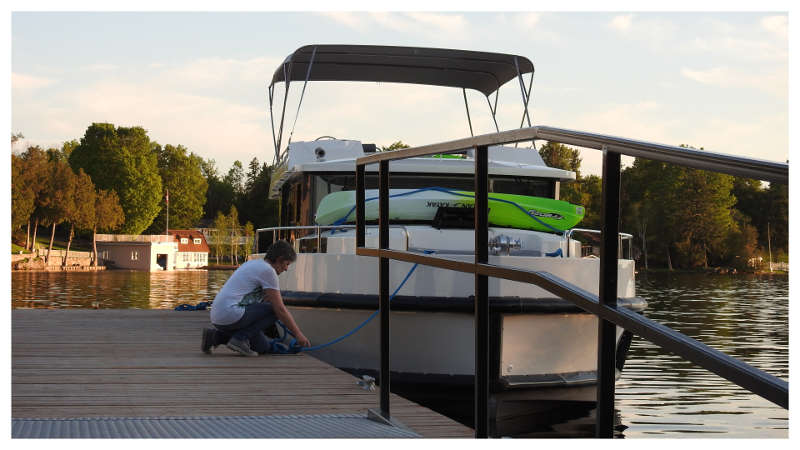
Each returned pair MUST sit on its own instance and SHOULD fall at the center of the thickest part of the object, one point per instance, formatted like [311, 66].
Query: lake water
[659, 395]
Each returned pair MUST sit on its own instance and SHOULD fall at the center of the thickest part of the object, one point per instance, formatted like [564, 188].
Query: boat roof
[481, 71]
[422, 165]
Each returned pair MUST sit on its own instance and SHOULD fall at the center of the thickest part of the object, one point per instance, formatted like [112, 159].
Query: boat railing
[318, 229]
[623, 237]
[603, 305]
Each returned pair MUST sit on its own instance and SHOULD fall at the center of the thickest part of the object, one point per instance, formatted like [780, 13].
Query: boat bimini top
[480, 71]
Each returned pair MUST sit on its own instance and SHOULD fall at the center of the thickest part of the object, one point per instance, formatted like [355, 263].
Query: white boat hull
[439, 347]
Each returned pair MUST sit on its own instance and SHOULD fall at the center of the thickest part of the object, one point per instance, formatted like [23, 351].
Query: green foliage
[82, 216]
[397, 145]
[181, 173]
[222, 231]
[23, 197]
[255, 205]
[108, 212]
[235, 178]
[121, 159]
[562, 157]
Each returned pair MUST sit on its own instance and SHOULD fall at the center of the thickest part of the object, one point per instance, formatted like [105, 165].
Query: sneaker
[241, 347]
[208, 340]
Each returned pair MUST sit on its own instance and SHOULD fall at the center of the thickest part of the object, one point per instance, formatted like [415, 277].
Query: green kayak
[505, 210]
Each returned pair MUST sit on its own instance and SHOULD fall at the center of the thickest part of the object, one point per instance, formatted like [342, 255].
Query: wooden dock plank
[137, 363]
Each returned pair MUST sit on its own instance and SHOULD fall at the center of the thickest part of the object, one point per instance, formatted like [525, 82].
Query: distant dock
[145, 368]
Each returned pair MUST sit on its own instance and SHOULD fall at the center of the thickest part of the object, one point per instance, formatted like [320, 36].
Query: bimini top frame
[480, 71]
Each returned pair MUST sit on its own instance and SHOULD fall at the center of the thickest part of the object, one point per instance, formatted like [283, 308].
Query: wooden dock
[148, 363]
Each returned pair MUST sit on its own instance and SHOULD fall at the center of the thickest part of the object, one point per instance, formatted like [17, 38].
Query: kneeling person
[249, 302]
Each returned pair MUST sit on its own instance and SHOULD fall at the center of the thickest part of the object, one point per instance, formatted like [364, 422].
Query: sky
[713, 80]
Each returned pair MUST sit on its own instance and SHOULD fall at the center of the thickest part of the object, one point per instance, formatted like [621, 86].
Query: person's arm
[274, 296]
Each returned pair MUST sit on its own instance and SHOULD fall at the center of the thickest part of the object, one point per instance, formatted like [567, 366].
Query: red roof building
[192, 249]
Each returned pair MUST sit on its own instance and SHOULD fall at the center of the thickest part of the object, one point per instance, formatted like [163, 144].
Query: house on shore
[137, 252]
[180, 249]
[192, 249]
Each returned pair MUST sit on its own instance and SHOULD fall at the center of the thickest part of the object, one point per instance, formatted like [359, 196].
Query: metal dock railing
[603, 305]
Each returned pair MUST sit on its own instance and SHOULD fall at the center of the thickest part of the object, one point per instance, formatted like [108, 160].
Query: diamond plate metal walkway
[292, 426]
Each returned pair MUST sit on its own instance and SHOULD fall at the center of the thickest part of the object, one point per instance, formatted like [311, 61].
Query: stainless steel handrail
[698, 159]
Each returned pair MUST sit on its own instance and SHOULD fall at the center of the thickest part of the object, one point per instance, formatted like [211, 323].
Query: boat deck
[148, 363]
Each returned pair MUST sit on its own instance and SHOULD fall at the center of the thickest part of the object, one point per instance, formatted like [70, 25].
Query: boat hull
[528, 350]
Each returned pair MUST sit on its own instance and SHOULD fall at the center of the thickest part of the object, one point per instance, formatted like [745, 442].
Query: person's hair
[280, 250]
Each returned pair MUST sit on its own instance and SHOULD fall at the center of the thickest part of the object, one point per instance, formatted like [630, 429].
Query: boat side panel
[347, 273]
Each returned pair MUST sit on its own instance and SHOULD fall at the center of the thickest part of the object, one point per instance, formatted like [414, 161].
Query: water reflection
[114, 288]
[743, 316]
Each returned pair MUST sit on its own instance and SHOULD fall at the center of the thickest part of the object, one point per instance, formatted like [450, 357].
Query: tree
[220, 195]
[182, 175]
[397, 145]
[776, 213]
[57, 198]
[36, 173]
[121, 159]
[249, 236]
[108, 215]
[221, 225]
[235, 178]
[253, 170]
[22, 195]
[233, 226]
[562, 157]
[82, 214]
[255, 205]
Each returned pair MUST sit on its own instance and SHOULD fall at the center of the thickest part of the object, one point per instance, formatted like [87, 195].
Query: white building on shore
[180, 249]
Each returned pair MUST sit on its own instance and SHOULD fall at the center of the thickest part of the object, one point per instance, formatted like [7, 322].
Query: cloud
[215, 72]
[23, 82]
[528, 20]
[100, 67]
[741, 48]
[621, 23]
[348, 19]
[422, 23]
[774, 82]
[779, 25]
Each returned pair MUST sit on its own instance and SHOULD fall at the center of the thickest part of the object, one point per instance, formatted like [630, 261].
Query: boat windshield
[299, 199]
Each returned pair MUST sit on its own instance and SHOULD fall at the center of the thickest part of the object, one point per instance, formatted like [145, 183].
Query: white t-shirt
[244, 287]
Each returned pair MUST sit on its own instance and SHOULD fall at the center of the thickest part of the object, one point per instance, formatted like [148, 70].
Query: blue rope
[279, 347]
[452, 192]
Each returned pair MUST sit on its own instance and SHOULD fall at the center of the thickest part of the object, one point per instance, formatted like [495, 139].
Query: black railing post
[607, 331]
[383, 275]
[360, 198]
[481, 293]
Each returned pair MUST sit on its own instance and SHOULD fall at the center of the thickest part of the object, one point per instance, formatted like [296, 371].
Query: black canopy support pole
[303, 93]
[286, 75]
[522, 92]
[466, 105]
[481, 292]
[383, 275]
[609, 254]
[493, 111]
[270, 95]
[360, 198]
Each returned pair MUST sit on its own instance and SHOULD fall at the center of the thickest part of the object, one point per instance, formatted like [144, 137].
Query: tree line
[685, 218]
[133, 174]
